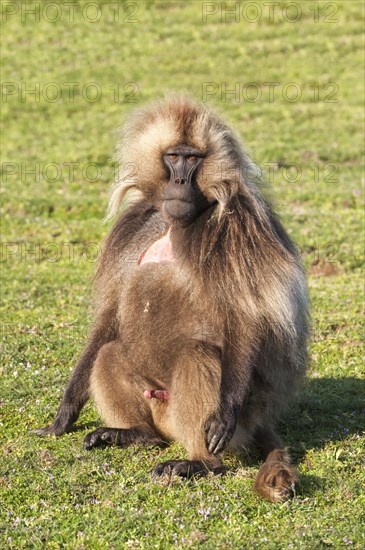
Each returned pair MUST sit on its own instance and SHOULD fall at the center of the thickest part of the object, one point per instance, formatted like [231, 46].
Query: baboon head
[181, 157]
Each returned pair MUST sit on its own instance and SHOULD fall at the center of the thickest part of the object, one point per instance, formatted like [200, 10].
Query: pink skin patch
[159, 251]
[162, 395]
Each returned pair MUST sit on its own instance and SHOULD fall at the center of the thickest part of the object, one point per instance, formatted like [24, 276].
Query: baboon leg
[194, 395]
[276, 477]
[118, 394]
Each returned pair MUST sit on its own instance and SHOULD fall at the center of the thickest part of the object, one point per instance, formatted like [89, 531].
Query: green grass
[52, 493]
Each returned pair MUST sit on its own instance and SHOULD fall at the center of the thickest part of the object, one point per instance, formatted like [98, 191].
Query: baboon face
[183, 200]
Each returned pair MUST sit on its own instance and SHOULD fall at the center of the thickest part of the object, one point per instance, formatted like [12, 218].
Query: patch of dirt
[325, 269]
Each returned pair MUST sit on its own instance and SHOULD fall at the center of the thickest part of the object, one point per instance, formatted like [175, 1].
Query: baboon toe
[100, 437]
[181, 468]
[276, 480]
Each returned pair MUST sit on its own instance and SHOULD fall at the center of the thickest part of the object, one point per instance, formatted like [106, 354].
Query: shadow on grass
[327, 409]
[308, 485]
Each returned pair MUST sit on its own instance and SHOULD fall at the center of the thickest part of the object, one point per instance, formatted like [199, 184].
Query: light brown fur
[223, 327]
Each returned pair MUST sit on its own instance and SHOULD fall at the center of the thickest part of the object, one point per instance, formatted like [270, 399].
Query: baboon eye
[172, 156]
[192, 158]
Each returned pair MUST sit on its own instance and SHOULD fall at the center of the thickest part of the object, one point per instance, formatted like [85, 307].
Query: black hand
[219, 429]
[63, 422]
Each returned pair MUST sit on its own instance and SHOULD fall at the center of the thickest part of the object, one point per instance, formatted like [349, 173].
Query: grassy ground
[54, 494]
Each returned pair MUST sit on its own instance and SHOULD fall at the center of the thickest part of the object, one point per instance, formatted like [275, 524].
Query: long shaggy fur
[223, 328]
[242, 251]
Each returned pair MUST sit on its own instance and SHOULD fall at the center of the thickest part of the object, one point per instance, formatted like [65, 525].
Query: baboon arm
[221, 425]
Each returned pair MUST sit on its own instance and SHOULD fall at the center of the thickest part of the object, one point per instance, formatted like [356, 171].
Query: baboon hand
[49, 430]
[62, 424]
[219, 429]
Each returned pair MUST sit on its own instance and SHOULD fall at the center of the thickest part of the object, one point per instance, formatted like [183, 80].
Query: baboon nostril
[177, 180]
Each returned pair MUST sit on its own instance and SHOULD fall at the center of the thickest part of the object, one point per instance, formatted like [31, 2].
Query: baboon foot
[100, 438]
[276, 478]
[185, 469]
[53, 429]
[181, 468]
[47, 430]
[121, 437]
[62, 424]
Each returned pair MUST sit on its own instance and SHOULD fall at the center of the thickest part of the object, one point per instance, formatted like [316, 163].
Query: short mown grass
[54, 494]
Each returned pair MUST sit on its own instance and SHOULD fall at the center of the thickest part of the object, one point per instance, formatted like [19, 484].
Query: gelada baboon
[201, 316]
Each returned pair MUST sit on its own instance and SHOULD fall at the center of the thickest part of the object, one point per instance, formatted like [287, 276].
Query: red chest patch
[159, 251]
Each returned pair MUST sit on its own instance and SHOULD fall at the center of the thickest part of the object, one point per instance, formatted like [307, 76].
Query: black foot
[100, 438]
[121, 437]
[63, 423]
[53, 429]
[182, 468]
